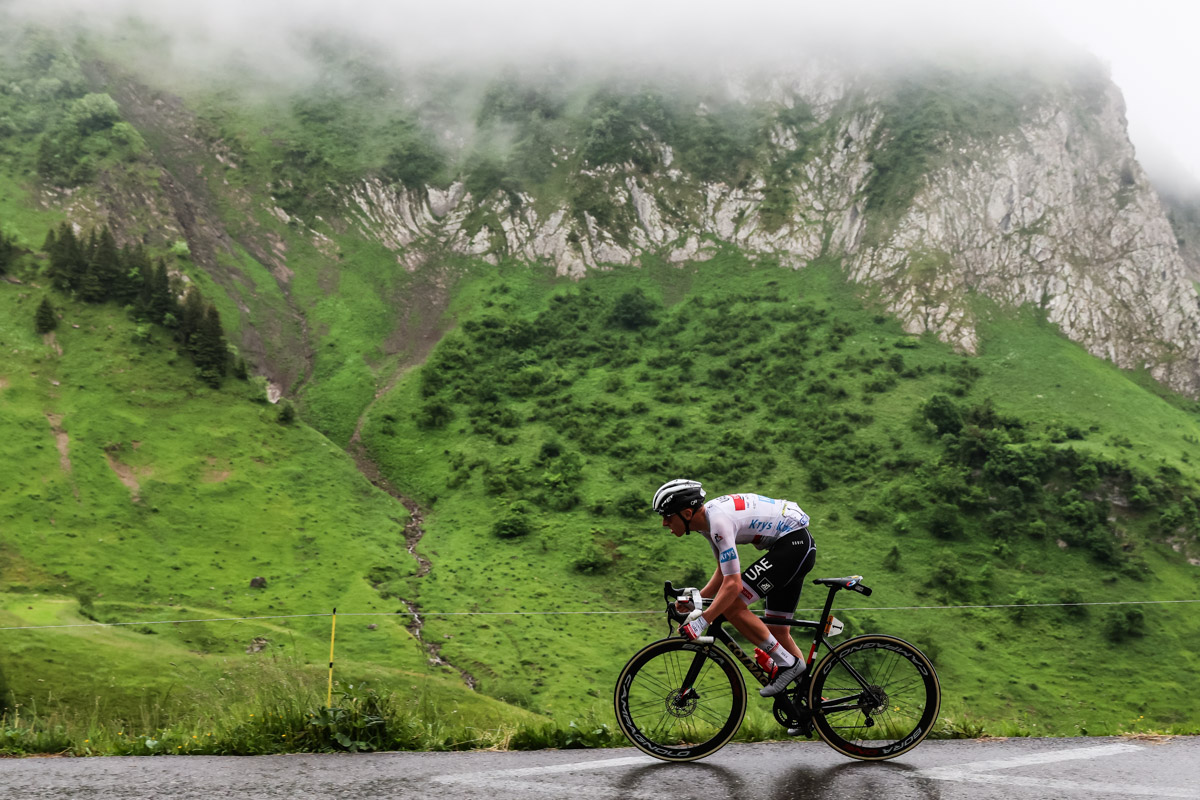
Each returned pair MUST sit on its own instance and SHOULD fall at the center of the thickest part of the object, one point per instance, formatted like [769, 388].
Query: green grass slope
[132, 492]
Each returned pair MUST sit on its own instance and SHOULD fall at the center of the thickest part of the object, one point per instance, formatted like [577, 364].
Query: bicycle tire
[892, 714]
[661, 721]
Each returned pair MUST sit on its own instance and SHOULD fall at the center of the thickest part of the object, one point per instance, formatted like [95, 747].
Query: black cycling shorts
[778, 576]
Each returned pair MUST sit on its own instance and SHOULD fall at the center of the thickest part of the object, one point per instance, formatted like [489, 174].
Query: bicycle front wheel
[874, 697]
[680, 701]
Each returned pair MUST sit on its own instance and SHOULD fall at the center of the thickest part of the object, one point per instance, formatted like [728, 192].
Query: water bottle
[766, 662]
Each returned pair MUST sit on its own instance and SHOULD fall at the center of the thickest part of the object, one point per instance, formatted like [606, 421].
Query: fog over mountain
[762, 31]
[1148, 57]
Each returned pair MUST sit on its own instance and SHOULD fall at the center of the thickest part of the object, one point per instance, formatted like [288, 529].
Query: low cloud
[462, 32]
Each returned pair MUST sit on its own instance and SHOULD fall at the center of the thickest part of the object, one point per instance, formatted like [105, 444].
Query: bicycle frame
[820, 629]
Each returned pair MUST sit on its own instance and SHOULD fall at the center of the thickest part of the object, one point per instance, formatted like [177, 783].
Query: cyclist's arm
[730, 588]
[709, 590]
[727, 580]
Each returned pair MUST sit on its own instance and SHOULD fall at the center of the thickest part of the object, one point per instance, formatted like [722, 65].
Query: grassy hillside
[134, 492]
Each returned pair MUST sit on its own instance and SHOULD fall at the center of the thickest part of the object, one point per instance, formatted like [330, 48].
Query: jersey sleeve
[723, 538]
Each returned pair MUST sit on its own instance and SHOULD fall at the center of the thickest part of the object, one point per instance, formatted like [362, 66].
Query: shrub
[941, 412]
[945, 522]
[512, 525]
[1072, 597]
[591, 559]
[1124, 623]
[415, 160]
[434, 414]
[891, 562]
[632, 505]
[633, 310]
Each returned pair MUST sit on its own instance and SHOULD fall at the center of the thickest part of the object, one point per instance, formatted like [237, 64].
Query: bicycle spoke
[646, 706]
[664, 686]
[710, 715]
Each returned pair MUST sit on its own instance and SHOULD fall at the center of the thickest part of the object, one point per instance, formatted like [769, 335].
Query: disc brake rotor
[681, 703]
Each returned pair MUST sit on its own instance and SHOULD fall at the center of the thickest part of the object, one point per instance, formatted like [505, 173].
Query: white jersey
[748, 519]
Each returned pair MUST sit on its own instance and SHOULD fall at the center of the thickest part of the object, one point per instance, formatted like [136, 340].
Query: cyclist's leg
[747, 622]
[794, 558]
[783, 635]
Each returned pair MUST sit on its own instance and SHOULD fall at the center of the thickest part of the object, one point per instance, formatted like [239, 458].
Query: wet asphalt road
[1030, 769]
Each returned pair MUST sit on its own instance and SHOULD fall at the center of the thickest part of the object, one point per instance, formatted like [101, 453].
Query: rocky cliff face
[1051, 210]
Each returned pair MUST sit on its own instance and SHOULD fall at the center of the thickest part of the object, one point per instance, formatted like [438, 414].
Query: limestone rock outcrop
[1054, 212]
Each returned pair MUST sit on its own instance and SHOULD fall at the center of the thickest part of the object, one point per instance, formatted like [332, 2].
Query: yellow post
[332, 632]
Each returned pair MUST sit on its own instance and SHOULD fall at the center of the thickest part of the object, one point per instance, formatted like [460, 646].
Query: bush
[434, 414]
[633, 310]
[632, 505]
[891, 562]
[1072, 598]
[512, 525]
[591, 559]
[945, 522]
[941, 412]
[286, 413]
[415, 160]
[1124, 623]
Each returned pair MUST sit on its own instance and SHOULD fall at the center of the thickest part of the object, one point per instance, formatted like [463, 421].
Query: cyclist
[778, 526]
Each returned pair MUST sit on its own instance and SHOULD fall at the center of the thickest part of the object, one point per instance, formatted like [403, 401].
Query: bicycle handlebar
[673, 595]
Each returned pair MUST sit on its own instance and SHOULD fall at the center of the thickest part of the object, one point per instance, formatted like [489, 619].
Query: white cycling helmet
[674, 496]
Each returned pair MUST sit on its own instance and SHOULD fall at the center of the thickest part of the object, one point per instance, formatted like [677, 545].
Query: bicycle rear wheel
[663, 717]
[874, 697]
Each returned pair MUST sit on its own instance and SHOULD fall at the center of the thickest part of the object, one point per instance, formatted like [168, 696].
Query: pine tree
[209, 348]
[67, 263]
[45, 320]
[103, 267]
[135, 265]
[8, 251]
[162, 302]
[91, 287]
[191, 315]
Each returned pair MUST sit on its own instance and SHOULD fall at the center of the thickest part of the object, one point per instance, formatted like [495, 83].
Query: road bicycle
[871, 697]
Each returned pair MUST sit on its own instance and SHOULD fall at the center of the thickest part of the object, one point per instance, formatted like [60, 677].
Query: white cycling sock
[776, 651]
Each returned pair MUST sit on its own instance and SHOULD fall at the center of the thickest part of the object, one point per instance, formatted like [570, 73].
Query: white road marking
[1033, 759]
[982, 772]
[1087, 788]
[511, 779]
[573, 767]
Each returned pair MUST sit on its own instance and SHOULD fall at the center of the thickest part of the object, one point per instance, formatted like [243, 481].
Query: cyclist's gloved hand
[684, 605]
[694, 627]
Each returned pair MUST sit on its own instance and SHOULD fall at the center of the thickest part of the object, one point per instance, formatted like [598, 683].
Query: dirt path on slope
[63, 443]
[414, 530]
[124, 472]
